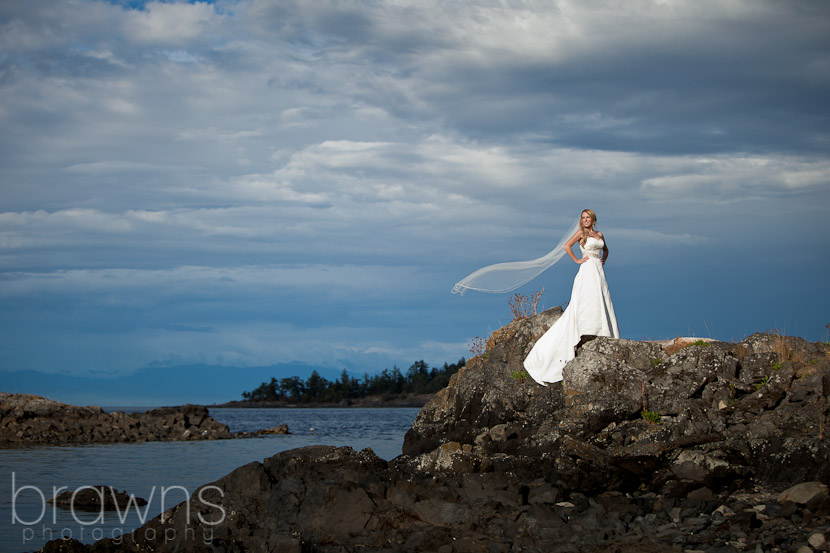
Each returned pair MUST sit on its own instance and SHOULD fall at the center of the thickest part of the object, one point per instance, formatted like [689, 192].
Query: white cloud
[119, 105]
[647, 237]
[167, 23]
[181, 56]
[332, 281]
[61, 222]
[734, 177]
[113, 166]
[218, 135]
[432, 196]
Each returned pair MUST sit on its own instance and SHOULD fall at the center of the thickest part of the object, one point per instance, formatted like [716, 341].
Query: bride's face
[587, 220]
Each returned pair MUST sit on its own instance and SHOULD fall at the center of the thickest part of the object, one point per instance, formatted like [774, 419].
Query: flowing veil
[504, 277]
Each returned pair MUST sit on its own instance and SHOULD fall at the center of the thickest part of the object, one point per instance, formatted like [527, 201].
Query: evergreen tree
[419, 379]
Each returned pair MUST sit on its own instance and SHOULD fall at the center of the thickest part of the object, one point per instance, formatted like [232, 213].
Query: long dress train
[590, 312]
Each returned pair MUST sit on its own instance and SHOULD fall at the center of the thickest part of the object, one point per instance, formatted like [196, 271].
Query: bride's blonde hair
[586, 232]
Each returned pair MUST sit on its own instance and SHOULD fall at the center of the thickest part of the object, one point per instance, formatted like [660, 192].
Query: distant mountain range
[155, 385]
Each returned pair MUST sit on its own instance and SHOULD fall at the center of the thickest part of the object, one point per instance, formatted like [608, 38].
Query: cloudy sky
[252, 182]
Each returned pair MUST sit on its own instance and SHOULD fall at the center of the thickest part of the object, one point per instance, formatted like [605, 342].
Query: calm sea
[166, 473]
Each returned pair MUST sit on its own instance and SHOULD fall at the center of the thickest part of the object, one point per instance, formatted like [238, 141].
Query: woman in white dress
[590, 311]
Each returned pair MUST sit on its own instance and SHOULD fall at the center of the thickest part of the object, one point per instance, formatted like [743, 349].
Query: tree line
[418, 379]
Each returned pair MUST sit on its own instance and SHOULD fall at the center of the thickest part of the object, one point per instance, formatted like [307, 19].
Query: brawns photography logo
[36, 524]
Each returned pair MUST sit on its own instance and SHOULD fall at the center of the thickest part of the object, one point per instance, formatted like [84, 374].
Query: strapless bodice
[592, 248]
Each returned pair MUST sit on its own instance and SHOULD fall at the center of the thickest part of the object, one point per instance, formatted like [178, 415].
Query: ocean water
[167, 473]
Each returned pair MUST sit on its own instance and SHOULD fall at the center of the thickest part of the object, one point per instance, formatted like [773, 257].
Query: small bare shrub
[741, 351]
[477, 346]
[780, 346]
[523, 307]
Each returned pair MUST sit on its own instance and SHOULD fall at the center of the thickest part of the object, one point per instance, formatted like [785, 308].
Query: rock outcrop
[642, 414]
[96, 499]
[279, 429]
[32, 420]
[663, 447]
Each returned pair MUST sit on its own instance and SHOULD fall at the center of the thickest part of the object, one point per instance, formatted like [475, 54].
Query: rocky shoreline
[681, 446]
[33, 420]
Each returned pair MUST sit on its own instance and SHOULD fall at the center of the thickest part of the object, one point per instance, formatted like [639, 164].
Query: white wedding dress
[590, 312]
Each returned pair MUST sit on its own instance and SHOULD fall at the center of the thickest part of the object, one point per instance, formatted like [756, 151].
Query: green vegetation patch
[763, 382]
[651, 417]
[701, 343]
[520, 376]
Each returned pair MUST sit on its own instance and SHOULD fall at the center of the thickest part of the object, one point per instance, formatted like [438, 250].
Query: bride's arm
[604, 249]
[569, 247]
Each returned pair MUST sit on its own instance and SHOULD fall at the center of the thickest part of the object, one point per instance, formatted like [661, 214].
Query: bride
[590, 311]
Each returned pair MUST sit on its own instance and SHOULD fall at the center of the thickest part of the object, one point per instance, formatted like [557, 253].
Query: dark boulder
[96, 499]
[279, 429]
